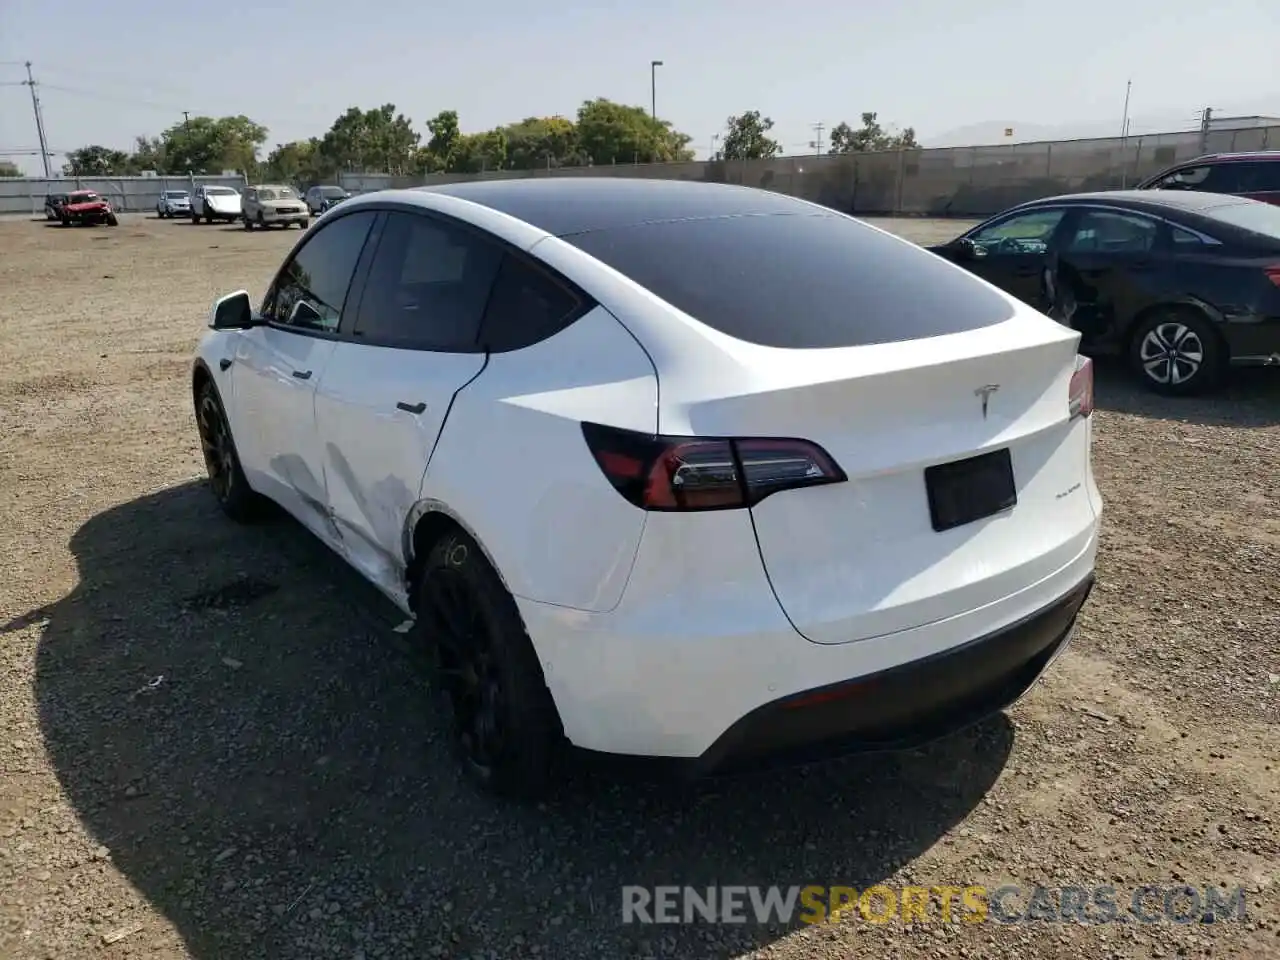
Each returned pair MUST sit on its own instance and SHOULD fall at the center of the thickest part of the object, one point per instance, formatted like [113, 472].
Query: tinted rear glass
[798, 281]
[1254, 216]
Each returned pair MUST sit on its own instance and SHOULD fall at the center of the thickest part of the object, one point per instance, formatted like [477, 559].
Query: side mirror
[232, 312]
[966, 249]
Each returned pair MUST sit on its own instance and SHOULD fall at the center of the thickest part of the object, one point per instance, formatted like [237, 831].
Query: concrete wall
[952, 181]
[127, 194]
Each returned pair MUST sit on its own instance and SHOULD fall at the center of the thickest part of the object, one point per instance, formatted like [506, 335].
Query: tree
[611, 132]
[299, 161]
[478, 152]
[747, 138]
[97, 161]
[148, 154]
[541, 142]
[8, 169]
[445, 139]
[208, 145]
[373, 141]
[870, 136]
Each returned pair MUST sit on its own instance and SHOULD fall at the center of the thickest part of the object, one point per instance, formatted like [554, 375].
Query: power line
[94, 95]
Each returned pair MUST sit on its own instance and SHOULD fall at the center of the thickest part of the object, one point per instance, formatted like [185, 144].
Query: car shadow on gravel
[228, 713]
[1249, 397]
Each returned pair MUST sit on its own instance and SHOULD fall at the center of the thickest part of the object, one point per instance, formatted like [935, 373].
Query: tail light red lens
[705, 473]
[1273, 274]
[1080, 402]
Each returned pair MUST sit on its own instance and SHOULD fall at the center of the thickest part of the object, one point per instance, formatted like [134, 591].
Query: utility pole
[1124, 137]
[1206, 116]
[653, 86]
[186, 121]
[817, 141]
[35, 106]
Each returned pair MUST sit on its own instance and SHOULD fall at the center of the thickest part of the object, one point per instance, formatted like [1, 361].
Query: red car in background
[1252, 175]
[86, 207]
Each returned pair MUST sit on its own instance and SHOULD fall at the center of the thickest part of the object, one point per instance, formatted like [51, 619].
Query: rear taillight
[1273, 274]
[705, 473]
[1080, 397]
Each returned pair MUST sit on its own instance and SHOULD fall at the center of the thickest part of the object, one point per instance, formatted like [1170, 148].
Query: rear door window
[1103, 231]
[800, 281]
[1259, 176]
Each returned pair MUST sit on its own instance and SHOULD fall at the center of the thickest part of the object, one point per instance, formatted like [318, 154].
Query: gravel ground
[211, 747]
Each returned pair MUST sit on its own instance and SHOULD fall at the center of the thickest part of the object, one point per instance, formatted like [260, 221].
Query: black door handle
[223, 364]
[302, 374]
[411, 407]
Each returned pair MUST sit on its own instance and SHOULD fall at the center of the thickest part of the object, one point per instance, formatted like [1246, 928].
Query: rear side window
[798, 281]
[526, 307]
[1252, 215]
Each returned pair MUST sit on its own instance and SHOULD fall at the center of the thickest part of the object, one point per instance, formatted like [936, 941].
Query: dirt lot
[211, 748]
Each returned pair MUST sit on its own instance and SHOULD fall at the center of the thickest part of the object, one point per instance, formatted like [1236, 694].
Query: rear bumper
[699, 666]
[903, 706]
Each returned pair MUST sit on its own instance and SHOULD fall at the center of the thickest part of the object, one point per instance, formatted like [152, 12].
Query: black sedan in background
[1183, 284]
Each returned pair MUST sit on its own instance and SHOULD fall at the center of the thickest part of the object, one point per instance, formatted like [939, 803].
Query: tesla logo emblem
[984, 394]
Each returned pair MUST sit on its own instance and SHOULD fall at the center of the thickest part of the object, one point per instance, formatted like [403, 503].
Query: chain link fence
[948, 181]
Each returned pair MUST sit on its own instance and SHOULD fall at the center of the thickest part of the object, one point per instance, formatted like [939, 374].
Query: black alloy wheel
[222, 463]
[505, 727]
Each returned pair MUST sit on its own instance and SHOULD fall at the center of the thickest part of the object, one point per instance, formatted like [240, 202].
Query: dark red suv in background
[1252, 175]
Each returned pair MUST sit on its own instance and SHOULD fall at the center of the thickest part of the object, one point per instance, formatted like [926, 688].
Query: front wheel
[112, 220]
[222, 462]
[1177, 353]
[506, 729]
[303, 224]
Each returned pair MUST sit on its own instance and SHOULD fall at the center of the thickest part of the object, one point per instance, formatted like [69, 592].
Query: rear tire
[195, 218]
[507, 732]
[1177, 352]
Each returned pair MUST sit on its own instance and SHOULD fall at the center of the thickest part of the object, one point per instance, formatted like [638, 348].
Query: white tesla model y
[667, 469]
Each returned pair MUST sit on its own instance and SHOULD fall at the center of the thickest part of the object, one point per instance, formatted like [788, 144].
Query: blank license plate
[967, 490]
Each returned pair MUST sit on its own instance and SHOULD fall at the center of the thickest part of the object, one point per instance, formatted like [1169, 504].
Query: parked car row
[263, 205]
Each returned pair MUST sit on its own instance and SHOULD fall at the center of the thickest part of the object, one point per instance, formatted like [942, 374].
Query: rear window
[1255, 216]
[798, 281]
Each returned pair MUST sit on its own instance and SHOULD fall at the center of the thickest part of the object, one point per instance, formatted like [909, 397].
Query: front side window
[1100, 231]
[1022, 233]
[311, 290]
[1208, 178]
[428, 285]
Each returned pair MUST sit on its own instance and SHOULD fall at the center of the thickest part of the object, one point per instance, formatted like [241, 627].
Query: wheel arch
[428, 521]
[200, 377]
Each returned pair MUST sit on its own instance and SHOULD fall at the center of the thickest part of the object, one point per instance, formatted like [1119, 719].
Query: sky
[108, 72]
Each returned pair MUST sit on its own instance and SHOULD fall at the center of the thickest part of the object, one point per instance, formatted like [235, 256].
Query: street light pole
[653, 86]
